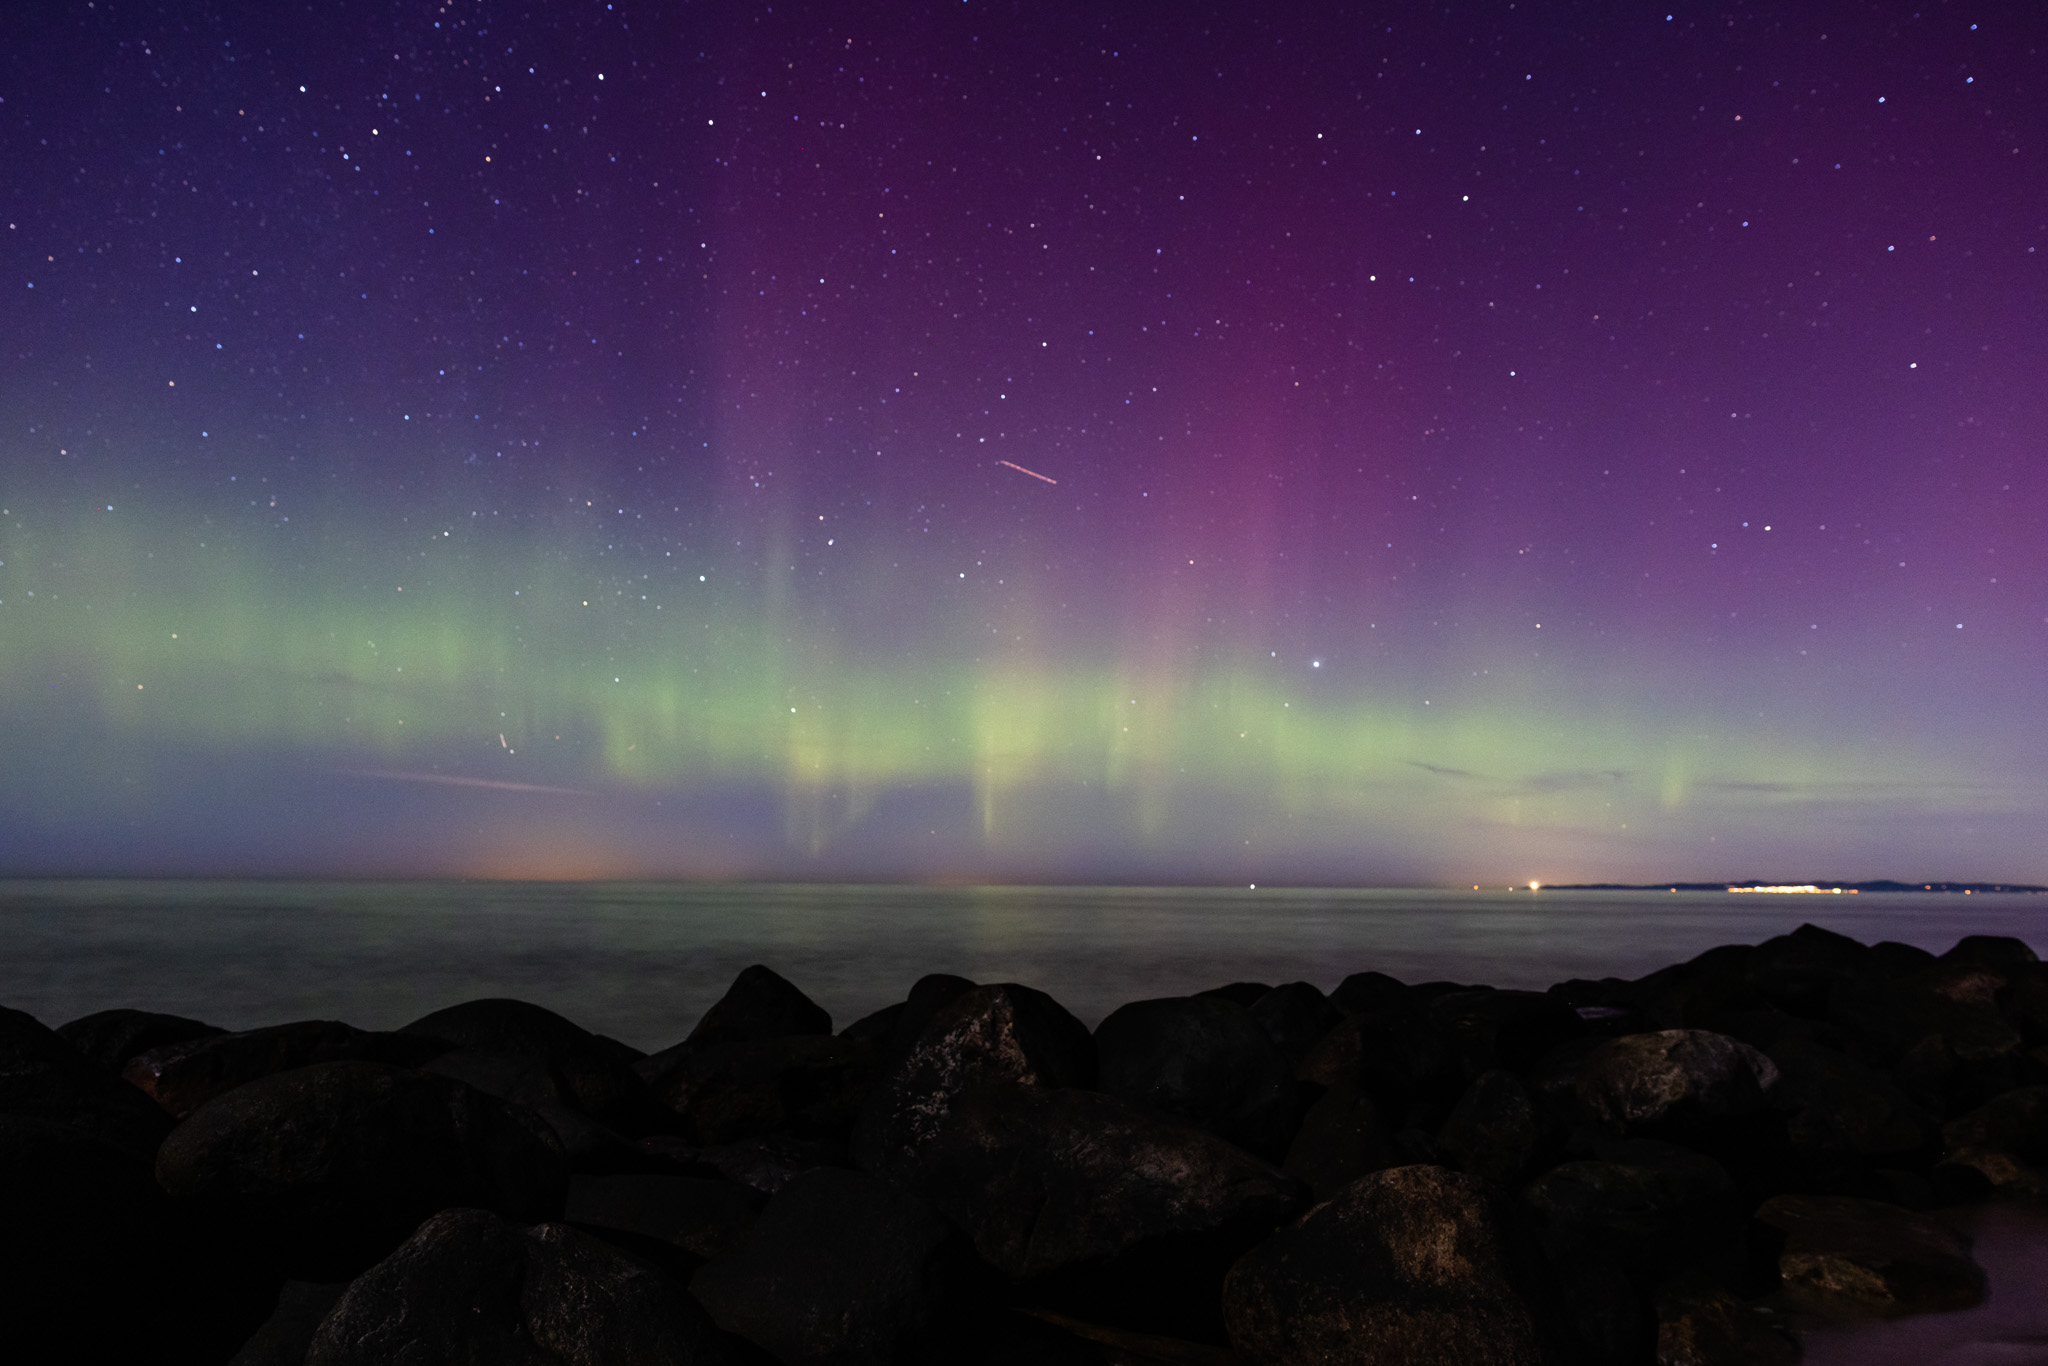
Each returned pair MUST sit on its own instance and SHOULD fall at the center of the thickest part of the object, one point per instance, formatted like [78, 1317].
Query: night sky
[1061, 442]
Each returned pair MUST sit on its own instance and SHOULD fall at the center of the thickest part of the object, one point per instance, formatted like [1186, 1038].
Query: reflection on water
[641, 961]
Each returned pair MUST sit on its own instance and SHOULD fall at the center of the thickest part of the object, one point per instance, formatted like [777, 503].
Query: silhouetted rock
[1296, 1015]
[1204, 1060]
[1798, 971]
[804, 1085]
[538, 1085]
[42, 1076]
[181, 1077]
[1704, 1325]
[705, 1218]
[1511, 1029]
[288, 1332]
[1403, 1265]
[1890, 1016]
[841, 1268]
[1369, 993]
[1341, 1138]
[591, 1074]
[1992, 951]
[1845, 1257]
[111, 1037]
[470, 1287]
[96, 1264]
[1672, 1080]
[500, 1024]
[760, 1004]
[1493, 1131]
[1003, 1034]
[329, 1167]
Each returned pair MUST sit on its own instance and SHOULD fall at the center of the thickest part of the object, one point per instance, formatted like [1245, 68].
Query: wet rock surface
[1614, 1172]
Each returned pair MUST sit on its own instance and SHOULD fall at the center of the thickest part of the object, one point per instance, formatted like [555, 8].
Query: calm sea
[641, 961]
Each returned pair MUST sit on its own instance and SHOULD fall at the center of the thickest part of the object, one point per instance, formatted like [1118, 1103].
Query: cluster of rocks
[1670, 1169]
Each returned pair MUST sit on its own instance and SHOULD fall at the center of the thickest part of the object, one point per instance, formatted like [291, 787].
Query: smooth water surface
[641, 961]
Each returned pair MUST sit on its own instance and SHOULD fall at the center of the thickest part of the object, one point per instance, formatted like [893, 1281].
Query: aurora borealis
[1511, 442]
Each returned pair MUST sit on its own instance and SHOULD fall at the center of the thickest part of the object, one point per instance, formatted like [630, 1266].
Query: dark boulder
[1837, 1105]
[1205, 1060]
[803, 1085]
[541, 1087]
[840, 1269]
[760, 1004]
[42, 1076]
[96, 1264]
[111, 1037]
[470, 1287]
[1405, 1265]
[1992, 951]
[1493, 1131]
[1508, 1029]
[1049, 1182]
[1238, 993]
[1296, 1015]
[1845, 1257]
[1700, 1324]
[1369, 993]
[327, 1168]
[1797, 972]
[181, 1077]
[2004, 1141]
[1342, 1137]
[1003, 1034]
[501, 1024]
[703, 1217]
[1672, 1080]
[590, 1073]
[766, 1165]
[1615, 1225]
[1401, 1057]
[1890, 1016]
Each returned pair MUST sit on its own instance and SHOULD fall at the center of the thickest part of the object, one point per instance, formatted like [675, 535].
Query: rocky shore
[1681, 1169]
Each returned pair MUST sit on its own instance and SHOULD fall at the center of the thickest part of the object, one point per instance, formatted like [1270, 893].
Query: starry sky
[1308, 443]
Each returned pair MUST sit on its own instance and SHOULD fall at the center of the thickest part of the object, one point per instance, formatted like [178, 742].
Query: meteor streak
[1021, 470]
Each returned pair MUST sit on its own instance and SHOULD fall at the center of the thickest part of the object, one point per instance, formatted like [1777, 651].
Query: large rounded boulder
[1206, 1060]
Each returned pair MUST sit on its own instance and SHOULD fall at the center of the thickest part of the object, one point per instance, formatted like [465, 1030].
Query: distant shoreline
[1797, 888]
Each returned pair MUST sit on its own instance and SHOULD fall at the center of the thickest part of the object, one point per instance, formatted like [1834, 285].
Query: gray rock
[1405, 1265]
[469, 1287]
